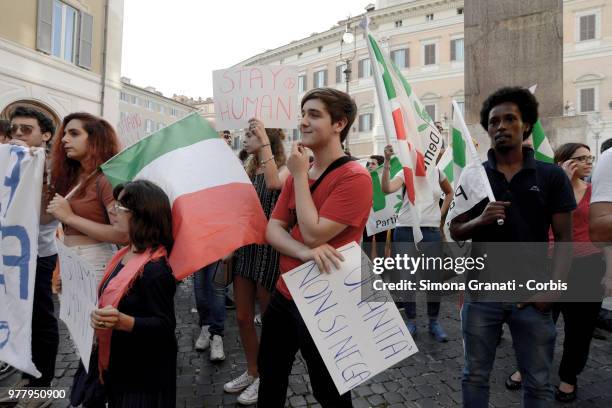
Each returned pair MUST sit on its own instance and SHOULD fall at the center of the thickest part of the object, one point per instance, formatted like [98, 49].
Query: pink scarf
[116, 290]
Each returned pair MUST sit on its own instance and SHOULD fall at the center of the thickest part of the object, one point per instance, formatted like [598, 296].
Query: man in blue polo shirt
[533, 196]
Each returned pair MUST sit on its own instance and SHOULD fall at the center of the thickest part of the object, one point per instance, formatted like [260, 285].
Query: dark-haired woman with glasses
[587, 270]
[135, 320]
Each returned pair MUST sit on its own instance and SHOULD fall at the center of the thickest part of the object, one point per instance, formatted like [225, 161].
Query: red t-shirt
[344, 196]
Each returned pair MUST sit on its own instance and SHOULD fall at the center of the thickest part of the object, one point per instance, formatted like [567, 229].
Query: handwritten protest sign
[357, 330]
[131, 129]
[266, 92]
[21, 175]
[78, 299]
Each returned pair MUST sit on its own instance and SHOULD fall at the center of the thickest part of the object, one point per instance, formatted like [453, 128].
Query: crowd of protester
[317, 199]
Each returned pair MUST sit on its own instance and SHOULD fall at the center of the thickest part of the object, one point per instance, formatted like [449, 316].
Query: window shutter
[407, 57]
[85, 40]
[325, 78]
[360, 69]
[453, 51]
[44, 26]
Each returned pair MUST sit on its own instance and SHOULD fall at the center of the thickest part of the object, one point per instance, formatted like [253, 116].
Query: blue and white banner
[21, 177]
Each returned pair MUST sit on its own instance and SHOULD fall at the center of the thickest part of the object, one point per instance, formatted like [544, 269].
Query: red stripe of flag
[398, 122]
[409, 183]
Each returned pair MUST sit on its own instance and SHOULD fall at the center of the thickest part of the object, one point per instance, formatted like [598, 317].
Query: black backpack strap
[335, 164]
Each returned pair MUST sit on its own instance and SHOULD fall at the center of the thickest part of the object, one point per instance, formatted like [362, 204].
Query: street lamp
[349, 37]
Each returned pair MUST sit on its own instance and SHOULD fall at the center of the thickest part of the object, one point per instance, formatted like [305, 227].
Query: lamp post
[349, 37]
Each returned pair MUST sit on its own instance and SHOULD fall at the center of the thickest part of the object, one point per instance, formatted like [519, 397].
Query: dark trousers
[283, 334]
[45, 333]
[381, 242]
[579, 318]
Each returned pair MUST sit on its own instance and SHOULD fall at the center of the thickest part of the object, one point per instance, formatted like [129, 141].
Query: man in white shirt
[600, 225]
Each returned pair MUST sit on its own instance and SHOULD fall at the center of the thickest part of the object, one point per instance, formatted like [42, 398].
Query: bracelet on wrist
[263, 163]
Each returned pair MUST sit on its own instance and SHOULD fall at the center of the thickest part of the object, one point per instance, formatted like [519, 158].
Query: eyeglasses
[117, 207]
[25, 129]
[584, 159]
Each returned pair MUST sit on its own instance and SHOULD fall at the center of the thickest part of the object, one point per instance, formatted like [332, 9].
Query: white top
[602, 179]
[46, 239]
[430, 209]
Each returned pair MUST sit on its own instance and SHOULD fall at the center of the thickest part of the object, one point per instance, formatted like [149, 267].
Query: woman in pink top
[587, 270]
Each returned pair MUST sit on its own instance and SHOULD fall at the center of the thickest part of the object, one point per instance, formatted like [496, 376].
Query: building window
[320, 48]
[587, 27]
[320, 79]
[64, 31]
[431, 111]
[400, 58]
[149, 126]
[365, 68]
[365, 122]
[430, 54]
[149, 105]
[461, 106]
[299, 54]
[302, 83]
[340, 73]
[399, 23]
[173, 112]
[587, 100]
[124, 97]
[429, 17]
[457, 49]
[135, 100]
[460, 10]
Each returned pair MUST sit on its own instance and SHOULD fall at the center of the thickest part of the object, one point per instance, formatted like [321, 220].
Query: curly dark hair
[151, 222]
[521, 97]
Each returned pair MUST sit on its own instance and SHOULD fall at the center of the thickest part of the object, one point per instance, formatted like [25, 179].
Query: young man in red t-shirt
[308, 226]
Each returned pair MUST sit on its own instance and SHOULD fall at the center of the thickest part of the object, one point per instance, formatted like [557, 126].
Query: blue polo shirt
[535, 193]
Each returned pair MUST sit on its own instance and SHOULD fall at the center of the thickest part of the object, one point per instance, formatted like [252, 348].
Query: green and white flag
[456, 157]
[385, 207]
[472, 186]
[542, 149]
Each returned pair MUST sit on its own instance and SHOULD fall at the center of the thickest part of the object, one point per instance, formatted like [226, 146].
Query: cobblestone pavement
[430, 378]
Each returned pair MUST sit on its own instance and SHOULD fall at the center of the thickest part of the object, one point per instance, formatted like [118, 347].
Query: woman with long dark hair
[135, 320]
[256, 266]
[82, 195]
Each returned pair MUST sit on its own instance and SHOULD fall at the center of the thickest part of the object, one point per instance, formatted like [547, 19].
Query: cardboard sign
[358, 330]
[78, 299]
[267, 92]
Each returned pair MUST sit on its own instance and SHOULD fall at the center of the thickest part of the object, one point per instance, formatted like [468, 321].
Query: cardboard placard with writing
[359, 332]
[266, 92]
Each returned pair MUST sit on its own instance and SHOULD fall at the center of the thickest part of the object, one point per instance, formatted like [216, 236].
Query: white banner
[78, 299]
[385, 207]
[358, 331]
[21, 176]
[266, 92]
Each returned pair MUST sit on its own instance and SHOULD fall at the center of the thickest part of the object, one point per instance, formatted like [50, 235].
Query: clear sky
[174, 45]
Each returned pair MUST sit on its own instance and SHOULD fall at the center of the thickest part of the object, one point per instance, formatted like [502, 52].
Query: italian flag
[407, 123]
[384, 206]
[215, 208]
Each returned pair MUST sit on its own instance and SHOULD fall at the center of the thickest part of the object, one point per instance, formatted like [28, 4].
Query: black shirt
[535, 193]
[145, 358]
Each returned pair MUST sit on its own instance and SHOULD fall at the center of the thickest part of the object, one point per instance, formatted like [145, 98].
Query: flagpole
[474, 154]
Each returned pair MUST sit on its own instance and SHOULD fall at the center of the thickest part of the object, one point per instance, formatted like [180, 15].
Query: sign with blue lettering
[21, 173]
[78, 299]
[358, 330]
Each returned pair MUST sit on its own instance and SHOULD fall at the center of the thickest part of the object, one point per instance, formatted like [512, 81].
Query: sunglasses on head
[25, 129]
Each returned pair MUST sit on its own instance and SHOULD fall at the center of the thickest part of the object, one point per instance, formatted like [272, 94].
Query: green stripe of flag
[458, 148]
[129, 162]
[541, 146]
[389, 88]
